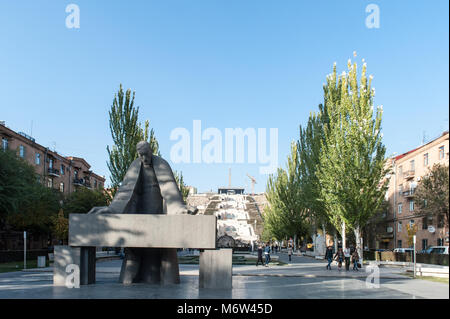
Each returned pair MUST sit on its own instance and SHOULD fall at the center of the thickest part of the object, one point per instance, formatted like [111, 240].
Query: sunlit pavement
[304, 277]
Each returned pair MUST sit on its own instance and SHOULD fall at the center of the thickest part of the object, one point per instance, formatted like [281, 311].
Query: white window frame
[441, 152]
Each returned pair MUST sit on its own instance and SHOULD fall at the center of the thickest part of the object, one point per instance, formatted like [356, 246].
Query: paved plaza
[303, 278]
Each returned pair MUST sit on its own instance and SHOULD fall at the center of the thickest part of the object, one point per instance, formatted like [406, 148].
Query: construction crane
[253, 183]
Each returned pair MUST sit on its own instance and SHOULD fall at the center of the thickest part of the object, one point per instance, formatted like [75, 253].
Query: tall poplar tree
[286, 215]
[352, 169]
[126, 132]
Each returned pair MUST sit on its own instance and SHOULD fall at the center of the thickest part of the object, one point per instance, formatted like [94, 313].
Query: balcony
[409, 194]
[53, 172]
[81, 182]
[409, 174]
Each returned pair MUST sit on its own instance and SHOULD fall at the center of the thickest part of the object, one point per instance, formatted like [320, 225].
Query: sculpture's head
[145, 152]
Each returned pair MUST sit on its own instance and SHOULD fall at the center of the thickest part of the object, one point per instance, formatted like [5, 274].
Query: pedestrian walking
[260, 254]
[355, 259]
[339, 257]
[267, 254]
[329, 256]
[290, 252]
[347, 258]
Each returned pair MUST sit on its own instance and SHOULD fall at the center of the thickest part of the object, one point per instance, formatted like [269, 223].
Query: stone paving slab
[303, 279]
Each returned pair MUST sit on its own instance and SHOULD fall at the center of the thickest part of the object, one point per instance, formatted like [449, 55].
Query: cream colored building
[408, 169]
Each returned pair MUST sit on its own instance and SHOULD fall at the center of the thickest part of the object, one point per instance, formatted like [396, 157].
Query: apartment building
[65, 174]
[408, 169]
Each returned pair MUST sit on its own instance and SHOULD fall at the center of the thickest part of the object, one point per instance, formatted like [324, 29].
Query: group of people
[343, 255]
[266, 249]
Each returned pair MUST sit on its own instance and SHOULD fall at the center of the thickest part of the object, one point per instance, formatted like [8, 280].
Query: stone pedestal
[215, 268]
[83, 257]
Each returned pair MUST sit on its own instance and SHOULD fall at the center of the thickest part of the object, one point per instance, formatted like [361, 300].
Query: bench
[88, 231]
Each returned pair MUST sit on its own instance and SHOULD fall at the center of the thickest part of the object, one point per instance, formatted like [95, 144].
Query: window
[37, 159]
[399, 229]
[411, 205]
[441, 152]
[411, 167]
[75, 174]
[61, 187]
[440, 223]
[424, 243]
[62, 169]
[400, 206]
[425, 223]
[95, 183]
[400, 170]
[49, 183]
[50, 163]
[399, 243]
[411, 223]
[425, 159]
[400, 190]
[22, 151]
[4, 143]
[440, 242]
[412, 187]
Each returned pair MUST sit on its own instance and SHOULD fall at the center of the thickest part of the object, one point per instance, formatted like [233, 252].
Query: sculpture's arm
[169, 188]
[124, 196]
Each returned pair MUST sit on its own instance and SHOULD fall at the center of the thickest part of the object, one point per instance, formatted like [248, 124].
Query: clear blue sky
[230, 63]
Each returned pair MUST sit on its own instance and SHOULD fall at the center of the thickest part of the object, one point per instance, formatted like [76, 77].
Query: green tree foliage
[126, 132]
[24, 203]
[352, 163]
[181, 185]
[285, 214]
[15, 177]
[431, 195]
[36, 210]
[309, 148]
[82, 200]
[60, 226]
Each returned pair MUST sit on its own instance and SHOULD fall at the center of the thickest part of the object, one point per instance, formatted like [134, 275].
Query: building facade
[408, 169]
[53, 170]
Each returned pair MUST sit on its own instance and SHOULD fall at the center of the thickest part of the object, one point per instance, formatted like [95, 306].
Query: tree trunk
[335, 240]
[359, 243]
[324, 234]
[295, 243]
[315, 238]
[343, 235]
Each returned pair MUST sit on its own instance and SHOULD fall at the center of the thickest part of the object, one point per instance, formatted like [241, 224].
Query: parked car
[439, 250]
[403, 250]
[425, 251]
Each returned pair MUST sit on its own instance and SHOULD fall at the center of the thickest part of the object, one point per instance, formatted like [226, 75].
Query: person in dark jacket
[355, 259]
[339, 257]
[260, 253]
[267, 254]
[329, 256]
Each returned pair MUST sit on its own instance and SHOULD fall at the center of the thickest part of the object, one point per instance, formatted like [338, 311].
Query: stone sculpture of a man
[148, 187]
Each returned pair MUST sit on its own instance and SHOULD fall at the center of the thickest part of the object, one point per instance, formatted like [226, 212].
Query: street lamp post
[414, 241]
